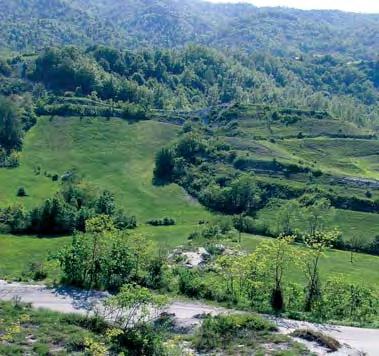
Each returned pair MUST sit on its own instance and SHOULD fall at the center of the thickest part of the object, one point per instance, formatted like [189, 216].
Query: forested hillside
[197, 77]
[30, 25]
[161, 149]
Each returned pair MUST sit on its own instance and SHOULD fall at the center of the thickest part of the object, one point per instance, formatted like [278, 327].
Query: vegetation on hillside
[210, 124]
[166, 23]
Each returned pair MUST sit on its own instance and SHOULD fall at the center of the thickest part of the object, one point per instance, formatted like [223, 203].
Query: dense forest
[198, 77]
[30, 25]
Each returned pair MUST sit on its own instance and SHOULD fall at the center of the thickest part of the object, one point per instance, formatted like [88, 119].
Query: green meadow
[119, 156]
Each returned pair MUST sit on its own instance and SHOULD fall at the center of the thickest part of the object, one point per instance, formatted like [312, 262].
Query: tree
[164, 164]
[316, 244]
[105, 204]
[10, 125]
[104, 257]
[356, 243]
[97, 228]
[244, 194]
[190, 147]
[133, 306]
[286, 216]
[15, 217]
[317, 213]
[279, 254]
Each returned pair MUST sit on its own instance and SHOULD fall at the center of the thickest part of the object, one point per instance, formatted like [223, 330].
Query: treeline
[210, 170]
[196, 77]
[170, 24]
[16, 117]
[65, 213]
[105, 258]
[258, 281]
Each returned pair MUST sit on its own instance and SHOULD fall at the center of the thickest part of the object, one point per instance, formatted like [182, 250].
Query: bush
[21, 192]
[142, 340]
[162, 222]
[220, 331]
[35, 271]
[164, 165]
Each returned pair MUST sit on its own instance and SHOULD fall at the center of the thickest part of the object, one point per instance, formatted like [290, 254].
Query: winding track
[71, 300]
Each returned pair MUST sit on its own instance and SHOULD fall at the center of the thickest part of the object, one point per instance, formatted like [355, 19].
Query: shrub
[221, 330]
[164, 165]
[166, 221]
[35, 271]
[21, 192]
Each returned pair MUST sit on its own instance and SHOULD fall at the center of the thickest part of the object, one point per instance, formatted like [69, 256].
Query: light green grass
[117, 156]
[364, 269]
[112, 155]
[350, 223]
[349, 157]
[17, 252]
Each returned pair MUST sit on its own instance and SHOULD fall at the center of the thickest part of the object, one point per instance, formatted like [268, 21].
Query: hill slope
[111, 155]
[114, 155]
[27, 25]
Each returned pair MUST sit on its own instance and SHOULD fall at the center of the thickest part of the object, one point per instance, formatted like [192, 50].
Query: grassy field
[337, 156]
[111, 155]
[118, 156]
[350, 223]
[18, 252]
[364, 269]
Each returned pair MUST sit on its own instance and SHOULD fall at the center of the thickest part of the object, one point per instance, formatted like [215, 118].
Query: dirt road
[71, 300]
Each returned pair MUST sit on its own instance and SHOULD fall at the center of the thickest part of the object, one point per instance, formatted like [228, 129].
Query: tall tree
[10, 125]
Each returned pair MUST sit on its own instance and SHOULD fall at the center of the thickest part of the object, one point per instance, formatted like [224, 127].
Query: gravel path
[71, 300]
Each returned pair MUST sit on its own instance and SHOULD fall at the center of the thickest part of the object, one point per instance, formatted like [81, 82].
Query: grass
[249, 334]
[364, 269]
[349, 157]
[25, 331]
[350, 223]
[18, 252]
[111, 155]
[118, 156]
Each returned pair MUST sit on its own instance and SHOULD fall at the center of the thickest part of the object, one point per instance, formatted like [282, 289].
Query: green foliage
[67, 211]
[21, 192]
[10, 125]
[347, 301]
[166, 221]
[164, 165]
[36, 24]
[18, 324]
[106, 258]
[133, 306]
[317, 242]
[220, 331]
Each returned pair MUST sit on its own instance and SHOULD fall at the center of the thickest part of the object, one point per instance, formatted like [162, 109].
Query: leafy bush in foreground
[220, 331]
